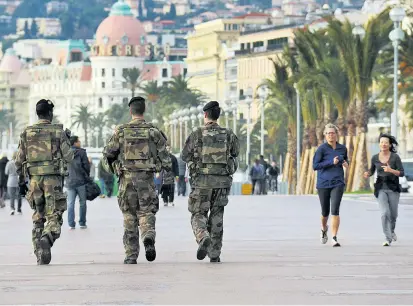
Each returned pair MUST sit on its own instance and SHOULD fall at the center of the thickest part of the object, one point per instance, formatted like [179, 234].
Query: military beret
[44, 104]
[210, 105]
[136, 99]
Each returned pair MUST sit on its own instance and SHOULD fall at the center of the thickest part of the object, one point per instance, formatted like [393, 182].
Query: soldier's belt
[213, 170]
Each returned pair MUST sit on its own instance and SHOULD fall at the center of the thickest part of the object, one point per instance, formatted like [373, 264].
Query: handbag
[92, 190]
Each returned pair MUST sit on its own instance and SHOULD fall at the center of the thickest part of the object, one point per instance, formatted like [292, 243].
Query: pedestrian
[210, 152]
[389, 168]
[264, 187]
[45, 163]
[3, 180]
[257, 174]
[183, 177]
[13, 185]
[106, 180]
[329, 161]
[92, 169]
[79, 176]
[168, 181]
[158, 182]
[272, 173]
[134, 153]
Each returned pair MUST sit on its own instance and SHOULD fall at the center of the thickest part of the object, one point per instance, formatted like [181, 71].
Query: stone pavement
[271, 255]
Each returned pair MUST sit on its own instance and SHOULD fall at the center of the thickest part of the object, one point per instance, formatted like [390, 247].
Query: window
[113, 72]
[235, 27]
[75, 56]
[242, 46]
[12, 92]
[100, 102]
[103, 72]
[164, 73]
[185, 71]
[103, 84]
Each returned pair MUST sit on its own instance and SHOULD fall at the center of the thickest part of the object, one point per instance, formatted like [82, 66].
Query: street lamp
[200, 109]
[358, 30]
[193, 112]
[97, 136]
[227, 109]
[248, 100]
[234, 107]
[263, 93]
[298, 137]
[397, 14]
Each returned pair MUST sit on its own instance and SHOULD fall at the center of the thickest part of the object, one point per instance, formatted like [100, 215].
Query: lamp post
[248, 100]
[263, 97]
[298, 138]
[227, 109]
[397, 14]
[200, 114]
[97, 136]
[193, 112]
[181, 120]
[234, 107]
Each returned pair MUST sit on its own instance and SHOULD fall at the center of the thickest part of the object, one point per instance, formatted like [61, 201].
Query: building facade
[96, 78]
[14, 92]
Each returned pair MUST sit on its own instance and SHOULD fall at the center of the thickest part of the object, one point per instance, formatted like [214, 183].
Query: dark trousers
[181, 185]
[168, 192]
[330, 196]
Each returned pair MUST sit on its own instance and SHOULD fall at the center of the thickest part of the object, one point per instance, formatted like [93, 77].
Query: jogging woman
[329, 161]
[387, 189]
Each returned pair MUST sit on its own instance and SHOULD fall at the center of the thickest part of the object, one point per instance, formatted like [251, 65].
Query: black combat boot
[217, 259]
[150, 251]
[44, 253]
[130, 261]
[203, 248]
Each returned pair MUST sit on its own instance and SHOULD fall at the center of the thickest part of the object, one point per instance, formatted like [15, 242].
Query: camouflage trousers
[139, 203]
[212, 201]
[46, 198]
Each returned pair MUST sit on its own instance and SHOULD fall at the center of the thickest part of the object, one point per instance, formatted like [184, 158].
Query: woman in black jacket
[387, 188]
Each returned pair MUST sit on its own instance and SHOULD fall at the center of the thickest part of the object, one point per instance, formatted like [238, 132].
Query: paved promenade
[271, 255]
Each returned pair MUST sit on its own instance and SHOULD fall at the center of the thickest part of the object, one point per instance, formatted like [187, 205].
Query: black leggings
[330, 194]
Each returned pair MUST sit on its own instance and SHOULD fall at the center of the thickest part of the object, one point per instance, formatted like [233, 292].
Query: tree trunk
[320, 131]
[313, 135]
[292, 149]
[341, 126]
[306, 137]
[85, 131]
[362, 127]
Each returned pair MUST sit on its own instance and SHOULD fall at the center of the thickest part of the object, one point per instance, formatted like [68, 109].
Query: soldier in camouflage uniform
[43, 153]
[210, 153]
[134, 153]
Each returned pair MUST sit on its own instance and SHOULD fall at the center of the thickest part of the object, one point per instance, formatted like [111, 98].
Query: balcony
[274, 47]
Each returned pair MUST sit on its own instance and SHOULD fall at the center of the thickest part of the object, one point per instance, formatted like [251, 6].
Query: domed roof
[10, 62]
[121, 28]
[120, 8]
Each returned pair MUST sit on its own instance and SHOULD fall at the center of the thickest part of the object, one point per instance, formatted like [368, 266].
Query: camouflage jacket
[115, 150]
[190, 155]
[61, 155]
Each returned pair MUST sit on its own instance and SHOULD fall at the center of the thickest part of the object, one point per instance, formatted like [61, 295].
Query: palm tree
[282, 96]
[98, 122]
[133, 78]
[82, 117]
[358, 56]
[178, 92]
[152, 93]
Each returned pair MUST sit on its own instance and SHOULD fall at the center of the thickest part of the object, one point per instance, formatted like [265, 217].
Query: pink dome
[10, 62]
[121, 31]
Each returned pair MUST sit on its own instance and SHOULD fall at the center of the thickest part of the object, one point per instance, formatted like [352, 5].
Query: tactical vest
[213, 151]
[43, 155]
[138, 150]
